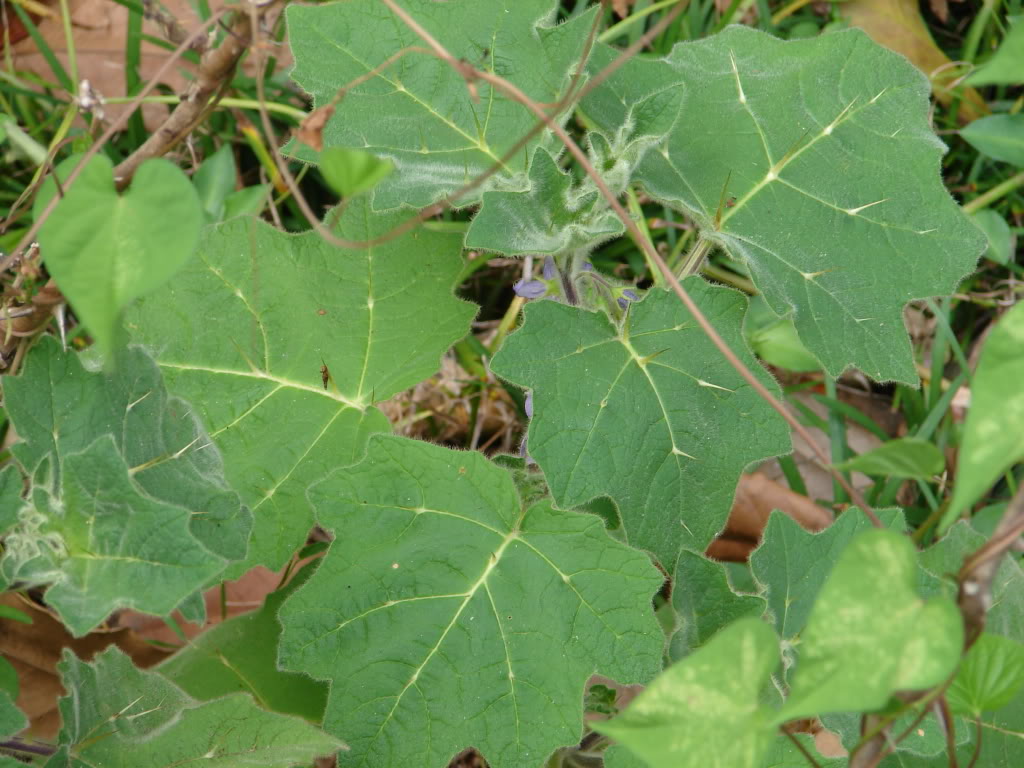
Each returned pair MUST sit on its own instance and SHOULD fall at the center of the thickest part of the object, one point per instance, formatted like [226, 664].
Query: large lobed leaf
[244, 331]
[448, 614]
[116, 714]
[814, 163]
[127, 490]
[650, 415]
[437, 134]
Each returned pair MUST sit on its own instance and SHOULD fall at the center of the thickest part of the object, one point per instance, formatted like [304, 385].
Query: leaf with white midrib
[244, 331]
[440, 132]
[458, 617]
[813, 162]
[649, 414]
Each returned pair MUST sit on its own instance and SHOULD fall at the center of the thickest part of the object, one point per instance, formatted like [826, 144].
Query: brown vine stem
[113, 128]
[470, 73]
[979, 569]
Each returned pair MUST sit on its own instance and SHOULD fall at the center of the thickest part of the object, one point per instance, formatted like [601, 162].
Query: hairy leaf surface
[116, 714]
[814, 163]
[438, 136]
[250, 330]
[446, 614]
[103, 544]
[60, 408]
[705, 602]
[554, 215]
[650, 415]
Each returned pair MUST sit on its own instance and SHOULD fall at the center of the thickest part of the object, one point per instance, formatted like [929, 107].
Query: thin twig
[803, 750]
[979, 569]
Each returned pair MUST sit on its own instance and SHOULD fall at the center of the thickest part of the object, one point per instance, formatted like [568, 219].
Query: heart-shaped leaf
[870, 634]
[417, 110]
[649, 414]
[704, 710]
[282, 344]
[458, 616]
[105, 249]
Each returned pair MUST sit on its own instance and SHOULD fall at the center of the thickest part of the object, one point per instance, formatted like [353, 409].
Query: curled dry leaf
[897, 24]
[34, 650]
[756, 497]
[311, 131]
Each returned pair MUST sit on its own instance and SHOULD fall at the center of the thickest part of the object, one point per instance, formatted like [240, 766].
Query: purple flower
[528, 405]
[586, 266]
[631, 295]
[622, 303]
[530, 289]
[549, 268]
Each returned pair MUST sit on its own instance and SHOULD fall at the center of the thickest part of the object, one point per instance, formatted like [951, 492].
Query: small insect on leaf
[325, 374]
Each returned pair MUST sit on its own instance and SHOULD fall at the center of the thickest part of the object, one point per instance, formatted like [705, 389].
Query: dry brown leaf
[897, 24]
[622, 7]
[99, 28]
[756, 496]
[34, 650]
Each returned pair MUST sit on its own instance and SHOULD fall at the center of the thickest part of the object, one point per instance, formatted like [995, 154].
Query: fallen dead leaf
[756, 496]
[34, 650]
[897, 24]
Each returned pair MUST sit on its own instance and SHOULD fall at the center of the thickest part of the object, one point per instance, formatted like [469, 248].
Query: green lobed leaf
[990, 676]
[99, 538]
[650, 415]
[240, 654]
[552, 216]
[792, 563]
[783, 753]
[994, 429]
[870, 634]
[244, 332]
[705, 603]
[632, 110]
[1001, 137]
[1004, 67]
[828, 135]
[456, 616]
[60, 408]
[436, 133]
[997, 232]
[704, 709]
[105, 249]
[910, 457]
[116, 714]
